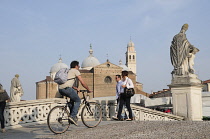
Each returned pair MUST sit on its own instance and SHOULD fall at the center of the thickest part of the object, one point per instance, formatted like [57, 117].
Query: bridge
[35, 111]
[29, 112]
[27, 119]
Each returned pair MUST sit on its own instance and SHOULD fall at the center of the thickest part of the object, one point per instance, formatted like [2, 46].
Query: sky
[34, 33]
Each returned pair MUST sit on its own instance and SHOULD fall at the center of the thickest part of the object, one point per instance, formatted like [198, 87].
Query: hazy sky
[33, 34]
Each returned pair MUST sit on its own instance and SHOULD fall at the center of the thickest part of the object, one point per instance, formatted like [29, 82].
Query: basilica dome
[90, 61]
[56, 67]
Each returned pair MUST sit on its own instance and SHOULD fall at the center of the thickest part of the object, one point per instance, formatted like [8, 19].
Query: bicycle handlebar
[84, 91]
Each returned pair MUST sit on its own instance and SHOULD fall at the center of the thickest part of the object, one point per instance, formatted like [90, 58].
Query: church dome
[90, 61]
[124, 67]
[56, 67]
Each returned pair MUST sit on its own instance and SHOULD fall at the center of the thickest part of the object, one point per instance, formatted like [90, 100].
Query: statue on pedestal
[182, 54]
[185, 86]
[16, 90]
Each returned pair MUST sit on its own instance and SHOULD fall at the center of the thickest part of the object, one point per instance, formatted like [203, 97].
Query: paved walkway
[118, 130]
[42, 131]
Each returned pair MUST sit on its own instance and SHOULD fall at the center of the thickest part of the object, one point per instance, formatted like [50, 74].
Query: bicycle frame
[84, 102]
[58, 123]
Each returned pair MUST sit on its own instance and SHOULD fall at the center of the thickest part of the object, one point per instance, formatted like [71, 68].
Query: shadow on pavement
[41, 131]
[27, 132]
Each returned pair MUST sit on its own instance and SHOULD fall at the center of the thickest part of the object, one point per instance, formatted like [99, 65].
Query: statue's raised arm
[182, 54]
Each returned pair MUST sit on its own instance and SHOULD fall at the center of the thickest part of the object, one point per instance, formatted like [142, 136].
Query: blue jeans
[75, 100]
[123, 115]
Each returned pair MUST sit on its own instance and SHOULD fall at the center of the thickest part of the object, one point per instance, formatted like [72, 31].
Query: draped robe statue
[182, 54]
[16, 90]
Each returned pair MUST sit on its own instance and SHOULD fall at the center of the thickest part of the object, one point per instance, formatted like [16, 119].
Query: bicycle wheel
[91, 114]
[58, 119]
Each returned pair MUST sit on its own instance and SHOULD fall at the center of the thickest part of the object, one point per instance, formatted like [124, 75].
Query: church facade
[99, 77]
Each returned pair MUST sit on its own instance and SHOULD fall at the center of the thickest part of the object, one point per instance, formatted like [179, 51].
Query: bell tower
[131, 57]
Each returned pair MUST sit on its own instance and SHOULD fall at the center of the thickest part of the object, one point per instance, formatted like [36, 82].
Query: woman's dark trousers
[124, 100]
[2, 107]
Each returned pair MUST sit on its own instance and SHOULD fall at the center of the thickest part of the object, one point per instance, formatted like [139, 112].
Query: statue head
[17, 75]
[185, 27]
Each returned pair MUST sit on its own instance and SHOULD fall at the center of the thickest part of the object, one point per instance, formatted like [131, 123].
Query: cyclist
[67, 89]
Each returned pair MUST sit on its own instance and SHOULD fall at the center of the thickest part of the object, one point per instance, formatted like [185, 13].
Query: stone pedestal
[187, 97]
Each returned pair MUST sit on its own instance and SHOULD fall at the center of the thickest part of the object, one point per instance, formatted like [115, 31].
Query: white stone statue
[16, 90]
[182, 54]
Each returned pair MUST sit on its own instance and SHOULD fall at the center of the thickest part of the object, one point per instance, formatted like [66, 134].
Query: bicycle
[58, 118]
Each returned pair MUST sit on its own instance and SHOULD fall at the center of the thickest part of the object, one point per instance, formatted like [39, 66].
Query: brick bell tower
[131, 57]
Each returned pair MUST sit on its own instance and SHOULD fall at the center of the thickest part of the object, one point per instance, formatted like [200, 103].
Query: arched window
[134, 57]
[108, 79]
[129, 56]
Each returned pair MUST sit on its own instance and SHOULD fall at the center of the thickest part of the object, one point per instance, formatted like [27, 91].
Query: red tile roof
[207, 81]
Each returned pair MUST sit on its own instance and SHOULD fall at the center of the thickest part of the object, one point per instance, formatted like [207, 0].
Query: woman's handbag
[129, 92]
[3, 96]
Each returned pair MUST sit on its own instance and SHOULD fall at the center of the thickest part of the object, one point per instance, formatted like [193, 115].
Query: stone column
[187, 97]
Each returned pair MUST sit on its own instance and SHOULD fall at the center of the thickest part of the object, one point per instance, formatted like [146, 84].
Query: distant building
[163, 93]
[167, 92]
[131, 57]
[206, 86]
[99, 77]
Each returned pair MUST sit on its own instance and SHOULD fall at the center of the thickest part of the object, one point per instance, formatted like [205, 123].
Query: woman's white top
[128, 82]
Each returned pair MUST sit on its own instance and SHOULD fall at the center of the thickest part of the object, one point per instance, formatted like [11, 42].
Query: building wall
[41, 90]
[46, 89]
[161, 94]
[139, 86]
[104, 79]
[100, 79]
[131, 61]
[52, 90]
[205, 88]
[88, 78]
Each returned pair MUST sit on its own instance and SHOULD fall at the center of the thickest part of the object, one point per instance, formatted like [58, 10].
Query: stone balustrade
[145, 114]
[36, 111]
[141, 113]
[31, 111]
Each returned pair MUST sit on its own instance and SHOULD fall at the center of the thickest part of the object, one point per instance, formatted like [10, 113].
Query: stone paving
[118, 130]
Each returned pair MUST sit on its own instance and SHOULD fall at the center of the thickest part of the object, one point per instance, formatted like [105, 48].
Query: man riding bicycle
[67, 89]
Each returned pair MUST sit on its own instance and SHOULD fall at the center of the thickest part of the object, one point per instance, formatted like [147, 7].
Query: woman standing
[3, 97]
[126, 82]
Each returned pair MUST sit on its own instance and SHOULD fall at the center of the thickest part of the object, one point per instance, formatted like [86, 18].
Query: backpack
[62, 76]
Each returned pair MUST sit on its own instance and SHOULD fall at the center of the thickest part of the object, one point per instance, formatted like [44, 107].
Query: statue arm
[193, 49]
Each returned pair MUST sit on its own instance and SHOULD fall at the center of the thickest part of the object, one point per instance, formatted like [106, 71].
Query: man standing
[119, 89]
[16, 90]
[67, 90]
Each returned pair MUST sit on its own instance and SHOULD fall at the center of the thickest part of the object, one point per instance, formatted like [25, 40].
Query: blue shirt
[119, 89]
